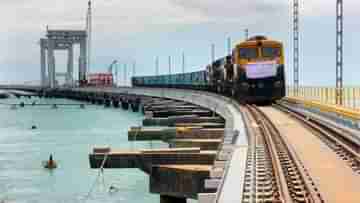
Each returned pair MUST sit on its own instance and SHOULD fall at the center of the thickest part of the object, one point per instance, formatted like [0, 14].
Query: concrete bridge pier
[124, 104]
[77, 97]
[175, 174]
[73, 96]
[100, 101]
[41, 93]
[116, 103]
[143, 109]
[170, 199]
[135, 106]
[92, 100]
[107, 102]
[88, 99]
[49, 95]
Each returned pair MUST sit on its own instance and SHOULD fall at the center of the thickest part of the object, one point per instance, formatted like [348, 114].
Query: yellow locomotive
[253, 73]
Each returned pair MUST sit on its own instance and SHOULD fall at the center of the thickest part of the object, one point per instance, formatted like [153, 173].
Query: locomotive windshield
[271, 52]
[248, 53]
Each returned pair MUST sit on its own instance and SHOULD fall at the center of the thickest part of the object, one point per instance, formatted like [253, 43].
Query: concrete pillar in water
[115, 103]
[82, 60]
[107, 102]
[134, 106]
[169, 199]
[125, 104]
[100, 101]
[51, 62]
[43, 62]
[70, 66]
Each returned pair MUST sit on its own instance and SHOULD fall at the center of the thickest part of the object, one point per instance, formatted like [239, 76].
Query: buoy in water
[22, 104]
[33, 103]
[113, 189]
[50, 164]
[54, 106]
[33, 127]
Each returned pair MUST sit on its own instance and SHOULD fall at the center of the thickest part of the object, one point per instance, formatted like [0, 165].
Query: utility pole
[170, 69]
[157, 66]
[212, 53]
[183, 62]
[229, 45]
[125, 74]
[296, 46]
[339, 51]
[134, 68]
[116, 73]
[169, 65]
[246, 34]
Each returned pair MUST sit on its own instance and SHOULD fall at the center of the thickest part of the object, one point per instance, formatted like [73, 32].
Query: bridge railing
[327, 95]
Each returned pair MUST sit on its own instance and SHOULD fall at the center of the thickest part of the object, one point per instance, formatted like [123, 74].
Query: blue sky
[141, 30]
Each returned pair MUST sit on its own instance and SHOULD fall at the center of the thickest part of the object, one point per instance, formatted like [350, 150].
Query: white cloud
[327, 7]
[230, 8]
[117, 23]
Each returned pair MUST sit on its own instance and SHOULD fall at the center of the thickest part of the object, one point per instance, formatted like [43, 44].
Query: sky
[134, 30]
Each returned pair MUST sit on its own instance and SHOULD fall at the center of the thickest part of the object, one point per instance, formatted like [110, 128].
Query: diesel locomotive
[253, 73]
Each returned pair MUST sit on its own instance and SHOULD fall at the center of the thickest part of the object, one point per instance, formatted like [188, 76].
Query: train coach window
[248, 53]
[270, 52]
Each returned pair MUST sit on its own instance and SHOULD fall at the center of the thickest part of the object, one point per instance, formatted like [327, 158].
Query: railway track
[344, 143]
[274, 173]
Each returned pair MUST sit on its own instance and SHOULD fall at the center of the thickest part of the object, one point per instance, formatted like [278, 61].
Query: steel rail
[329, 133]
[309, 194]
[251, 176]
[284, 193]
[313, 195]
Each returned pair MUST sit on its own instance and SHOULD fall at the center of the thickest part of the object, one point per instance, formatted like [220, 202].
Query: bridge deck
[336, 181]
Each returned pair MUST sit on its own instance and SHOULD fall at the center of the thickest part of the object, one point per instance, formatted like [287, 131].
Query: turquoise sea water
[69, 133]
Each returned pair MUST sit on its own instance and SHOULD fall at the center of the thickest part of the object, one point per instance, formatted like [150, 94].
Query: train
[253, 73]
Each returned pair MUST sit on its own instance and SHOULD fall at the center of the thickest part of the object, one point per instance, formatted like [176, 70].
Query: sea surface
[69, 133]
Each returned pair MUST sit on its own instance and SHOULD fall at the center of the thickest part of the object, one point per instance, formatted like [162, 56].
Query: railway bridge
[304, 148]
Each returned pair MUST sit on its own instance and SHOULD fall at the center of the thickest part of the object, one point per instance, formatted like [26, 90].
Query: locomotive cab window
[271, 52]
[248, 53]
